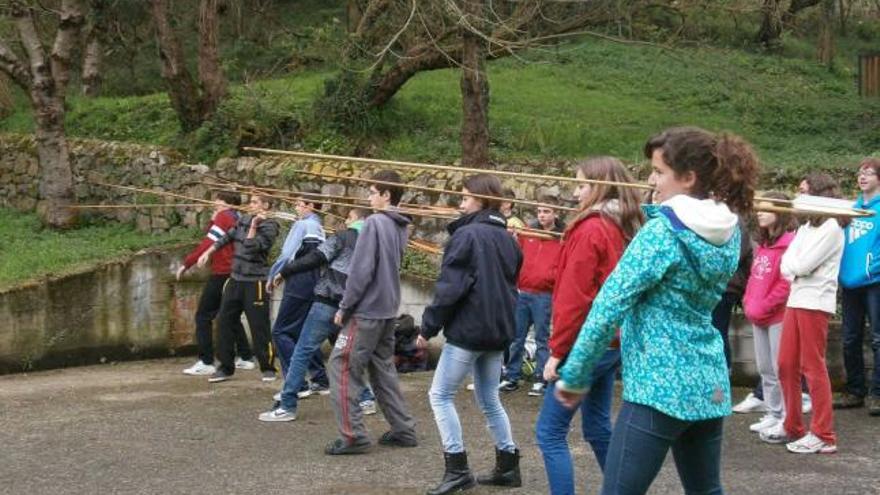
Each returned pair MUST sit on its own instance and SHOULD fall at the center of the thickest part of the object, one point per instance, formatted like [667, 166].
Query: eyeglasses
[867, 173]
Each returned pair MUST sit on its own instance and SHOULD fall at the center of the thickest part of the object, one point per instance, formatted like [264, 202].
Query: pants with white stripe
[366, 346]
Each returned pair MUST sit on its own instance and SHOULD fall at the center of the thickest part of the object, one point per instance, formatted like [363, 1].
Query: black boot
[506, 472]
[457, 477]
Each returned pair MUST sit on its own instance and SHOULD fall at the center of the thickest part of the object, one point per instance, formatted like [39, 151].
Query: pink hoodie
[767, 291]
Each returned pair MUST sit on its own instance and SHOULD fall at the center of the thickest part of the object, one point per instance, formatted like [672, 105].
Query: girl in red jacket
[608, 218]
[764, 303]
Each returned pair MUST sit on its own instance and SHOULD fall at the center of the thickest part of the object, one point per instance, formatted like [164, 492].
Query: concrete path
[143, 427]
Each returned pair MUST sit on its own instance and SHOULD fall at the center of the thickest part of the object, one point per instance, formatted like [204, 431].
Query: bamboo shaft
[429, 166]
[134, 205]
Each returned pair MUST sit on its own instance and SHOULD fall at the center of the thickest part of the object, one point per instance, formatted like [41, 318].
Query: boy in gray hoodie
[366, 315]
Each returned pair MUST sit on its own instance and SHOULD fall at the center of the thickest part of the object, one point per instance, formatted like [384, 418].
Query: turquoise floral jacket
[661, 295]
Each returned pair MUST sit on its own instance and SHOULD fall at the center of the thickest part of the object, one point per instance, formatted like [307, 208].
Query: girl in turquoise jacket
[676, 388]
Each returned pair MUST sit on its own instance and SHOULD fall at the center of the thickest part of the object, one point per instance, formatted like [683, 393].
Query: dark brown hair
[822, 184]
[396, 192]
[725, 165]
[229, 197]
[608, 168]
[785, 222]
[311, 195]
[485, 185]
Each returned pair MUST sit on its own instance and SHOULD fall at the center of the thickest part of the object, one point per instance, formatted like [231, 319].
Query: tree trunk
[474, 91]
[795, 8]
[825, 49]
[91, 72]
[181, 87]
[771, 25]
[56, 184]
[211, 77]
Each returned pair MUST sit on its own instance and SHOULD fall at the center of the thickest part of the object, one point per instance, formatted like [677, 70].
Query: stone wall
[150, 167]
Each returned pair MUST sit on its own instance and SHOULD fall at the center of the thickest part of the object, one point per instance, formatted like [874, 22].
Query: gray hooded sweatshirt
[373, 288]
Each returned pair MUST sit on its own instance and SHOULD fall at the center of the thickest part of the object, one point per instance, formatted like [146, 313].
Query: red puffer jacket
[540, 261]
[590, 252]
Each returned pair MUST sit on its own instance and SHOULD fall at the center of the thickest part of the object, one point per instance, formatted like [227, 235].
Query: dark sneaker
[392, 439]
[508, 386]
[219, 376]
[313, 389]
[874, 406]
[847, 401]
[341, 447]
[268, 376]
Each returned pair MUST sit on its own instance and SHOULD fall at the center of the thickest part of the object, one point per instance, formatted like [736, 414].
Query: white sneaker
[766, 422]
[537, 389]
[775, 434]
[277, 397]
[200, 369]
[245, 364]
[470, 386]
[750, 404]
[368, 407]
[277, 416]
[806, 403]
[811, 444]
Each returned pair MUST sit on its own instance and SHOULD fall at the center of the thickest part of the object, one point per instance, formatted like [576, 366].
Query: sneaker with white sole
[245, 364]
[200, 369]
[277, 397]
[537, 389]
[811, 444]
[508, 386]
[277, 416]
[368, 407]
[314, 389]
[470, 386]
[775, 434]
[219, 376]
[268, 376]
[766, 422]
[750, 404]
[806, 403]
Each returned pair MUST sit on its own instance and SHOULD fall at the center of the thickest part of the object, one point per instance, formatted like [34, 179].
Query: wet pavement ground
[143, 427]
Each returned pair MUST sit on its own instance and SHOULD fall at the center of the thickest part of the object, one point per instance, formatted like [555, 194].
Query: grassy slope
[28, 251]
[591, 97]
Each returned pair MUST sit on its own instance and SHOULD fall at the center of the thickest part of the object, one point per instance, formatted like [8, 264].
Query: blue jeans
[454, 366]
[858, 303]
[287, 330]
[530, 309]
[318, 326]
[554, 422]
[641, 439]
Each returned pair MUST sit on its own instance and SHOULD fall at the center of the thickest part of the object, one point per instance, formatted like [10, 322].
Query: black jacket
[251, 258]
[475, 296]
[302, 286]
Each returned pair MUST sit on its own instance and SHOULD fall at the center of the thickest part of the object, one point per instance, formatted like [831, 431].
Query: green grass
[28, 251]
[585, 98]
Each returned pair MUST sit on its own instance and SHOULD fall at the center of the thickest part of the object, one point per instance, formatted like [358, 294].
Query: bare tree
[44, 75]
[93, 54]
[771, 23]
[194, 103]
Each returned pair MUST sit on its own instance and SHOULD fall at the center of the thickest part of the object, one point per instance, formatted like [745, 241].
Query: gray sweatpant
[767, 359]
[366, 345]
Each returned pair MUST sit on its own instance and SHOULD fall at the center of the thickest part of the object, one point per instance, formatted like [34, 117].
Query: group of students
[632, 287]
[790, 297]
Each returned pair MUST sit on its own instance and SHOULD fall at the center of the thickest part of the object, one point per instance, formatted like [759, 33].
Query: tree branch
[12, 67]
[71, 21]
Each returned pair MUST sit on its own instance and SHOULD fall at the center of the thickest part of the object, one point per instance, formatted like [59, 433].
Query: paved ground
[143, 427]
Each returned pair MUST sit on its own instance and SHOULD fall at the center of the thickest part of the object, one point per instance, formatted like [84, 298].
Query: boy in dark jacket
[223, 220]
[366, 314]
[535, 285]
[253, 237]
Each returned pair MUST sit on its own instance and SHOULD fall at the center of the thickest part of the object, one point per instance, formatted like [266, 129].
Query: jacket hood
[393, 213]
[489, 216]
[710, 239]
[860, 202]
[711, 220]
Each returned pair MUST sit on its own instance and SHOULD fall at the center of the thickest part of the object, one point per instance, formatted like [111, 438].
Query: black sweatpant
[250, 298]
[209, 307]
